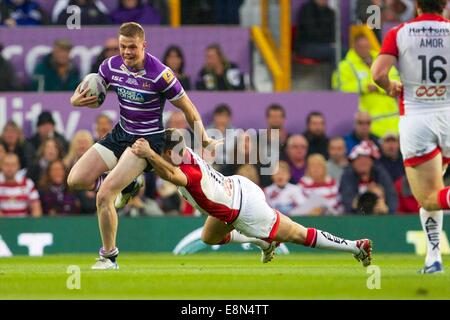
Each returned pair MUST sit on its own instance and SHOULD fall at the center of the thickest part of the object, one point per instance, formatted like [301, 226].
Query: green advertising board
[52, 235]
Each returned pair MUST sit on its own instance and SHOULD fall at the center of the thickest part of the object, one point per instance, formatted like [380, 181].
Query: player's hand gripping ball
[97, 87]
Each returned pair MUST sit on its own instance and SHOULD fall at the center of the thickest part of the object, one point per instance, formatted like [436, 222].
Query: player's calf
[289, 231]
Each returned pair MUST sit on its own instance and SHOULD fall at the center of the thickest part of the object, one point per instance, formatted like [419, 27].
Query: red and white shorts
[256, 218]
[423, 136]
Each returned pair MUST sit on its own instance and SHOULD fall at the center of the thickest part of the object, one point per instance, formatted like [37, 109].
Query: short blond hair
[283, 165]
[132, 29]
[316, 157]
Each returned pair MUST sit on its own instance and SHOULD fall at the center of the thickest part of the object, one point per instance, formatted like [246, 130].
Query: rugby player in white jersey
[142, 84]
[236, 207]
[422, 49]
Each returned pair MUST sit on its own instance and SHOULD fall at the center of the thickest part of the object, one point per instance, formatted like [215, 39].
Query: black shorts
[118, 141]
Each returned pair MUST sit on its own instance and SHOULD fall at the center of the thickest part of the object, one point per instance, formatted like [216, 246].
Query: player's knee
[105, 196]
[73, 182]
[208, 238]
[429, 202]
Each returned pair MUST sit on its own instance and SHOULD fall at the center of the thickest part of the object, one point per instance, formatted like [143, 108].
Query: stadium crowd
[315, 175]
[359, 173]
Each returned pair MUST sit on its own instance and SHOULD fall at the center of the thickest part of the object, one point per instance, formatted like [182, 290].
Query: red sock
[444, 198]
[226, 239]
[311, 237]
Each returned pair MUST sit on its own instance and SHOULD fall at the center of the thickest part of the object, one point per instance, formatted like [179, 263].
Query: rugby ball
[97, 86]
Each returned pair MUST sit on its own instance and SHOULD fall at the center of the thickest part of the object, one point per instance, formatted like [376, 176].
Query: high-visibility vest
[353, 75]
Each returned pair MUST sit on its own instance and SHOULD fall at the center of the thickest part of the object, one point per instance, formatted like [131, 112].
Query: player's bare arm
[164, 169]
[380, 73]
[192, 116]
[80, 98]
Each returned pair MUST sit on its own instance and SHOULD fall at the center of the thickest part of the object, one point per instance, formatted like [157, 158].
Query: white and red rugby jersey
[208, 190]
[422, 47]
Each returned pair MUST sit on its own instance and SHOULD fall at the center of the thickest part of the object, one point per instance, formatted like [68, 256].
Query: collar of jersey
[136, 74]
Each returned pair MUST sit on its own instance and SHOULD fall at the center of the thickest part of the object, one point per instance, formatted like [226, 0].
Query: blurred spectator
[245, 151]
[316, 25]
[222, 117]
[282, 195]
[398, 10]
[87, 200]
[111, 48]
[55, 196]
[296, 152]
[13, 141]
[174, 59]
[8, 78]
[18, 196]
[4, 15]
[391, 157]
[49, 151]
[447, 10]
[354, 76]
[162, 7]
[46, 129]
[227, 12]
[169, 199]
[316, 134]
[93, 12]
[2, 154]
[197, 12]
[338, 160]
[361, 131]
[56, 71]
[80, 143]
[406, 201]
[218, 74]
[276, 119]
[316, 183]
[24, 13]
[364, 175]
[250, 172]
[177, 120]
[136, 11]
[103, 126]
[141, 206]
[372, 201]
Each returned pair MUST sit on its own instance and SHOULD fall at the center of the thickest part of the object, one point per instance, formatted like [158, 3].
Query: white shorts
[423, 136]
[256, 218]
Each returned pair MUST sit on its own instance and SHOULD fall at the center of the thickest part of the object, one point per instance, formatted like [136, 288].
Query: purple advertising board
[248, 109]
[26, 46]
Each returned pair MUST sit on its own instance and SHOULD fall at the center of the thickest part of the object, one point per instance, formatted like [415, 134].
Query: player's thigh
[88, 168]
[127, 168]
[426, 178]
[419, 138]
[256, 218]
[215, 230]
[290, 231]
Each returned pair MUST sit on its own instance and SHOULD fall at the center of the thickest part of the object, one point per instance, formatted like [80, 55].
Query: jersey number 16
[430, 71]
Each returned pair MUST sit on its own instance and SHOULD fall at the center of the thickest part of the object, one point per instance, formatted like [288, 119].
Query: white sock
[236, 237]
[432, 226]
[323, 240]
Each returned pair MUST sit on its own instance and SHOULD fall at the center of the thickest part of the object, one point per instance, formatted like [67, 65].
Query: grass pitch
[222, 276]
